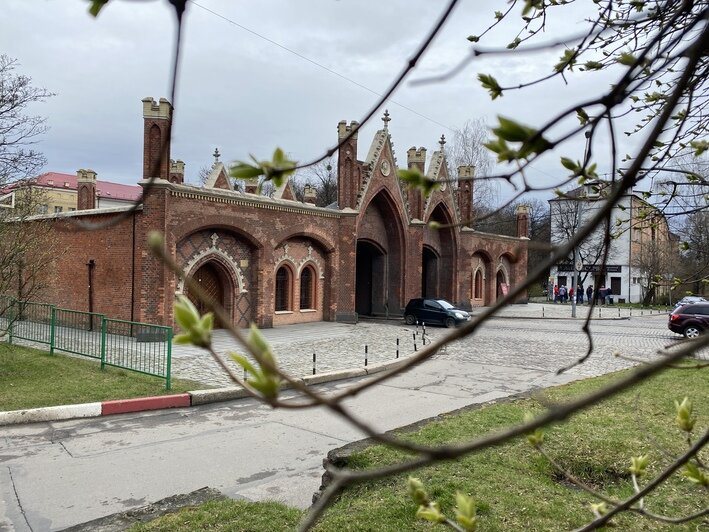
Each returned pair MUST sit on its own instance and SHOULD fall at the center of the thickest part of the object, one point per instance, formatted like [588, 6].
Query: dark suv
[429, 310]
[690, 320]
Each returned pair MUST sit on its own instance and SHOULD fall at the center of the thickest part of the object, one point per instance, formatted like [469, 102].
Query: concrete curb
[50, 413]
[161, 402]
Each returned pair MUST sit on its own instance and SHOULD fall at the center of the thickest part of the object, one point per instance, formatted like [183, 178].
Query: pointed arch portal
[370, 293]
[213, 280]
[429, 276]
[380, 250]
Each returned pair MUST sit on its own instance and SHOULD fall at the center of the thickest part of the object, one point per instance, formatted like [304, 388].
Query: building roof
[104, 189]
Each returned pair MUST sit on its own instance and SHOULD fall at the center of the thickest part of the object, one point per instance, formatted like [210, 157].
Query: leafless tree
[567, 216]
[18, 129]
[467, 148]
[683, 194]
[25, 249]
[323, 177]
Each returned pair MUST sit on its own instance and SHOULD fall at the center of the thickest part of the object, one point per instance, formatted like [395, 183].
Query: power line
[331, 71]
[319, 65]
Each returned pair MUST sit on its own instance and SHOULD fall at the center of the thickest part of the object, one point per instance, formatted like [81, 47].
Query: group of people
[563, 294]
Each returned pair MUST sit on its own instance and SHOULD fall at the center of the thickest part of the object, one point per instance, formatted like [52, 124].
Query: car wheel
[692, 331]
[450, 322]
[410, 319]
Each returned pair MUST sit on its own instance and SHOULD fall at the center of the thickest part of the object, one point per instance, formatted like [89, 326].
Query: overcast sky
[243, 94]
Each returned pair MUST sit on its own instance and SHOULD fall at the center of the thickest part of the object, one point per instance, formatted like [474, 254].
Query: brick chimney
[522, 212]
[177, 171]
[310, 194]
[416, 158]
[465, 194]
[251, 185]
[157, 120]
[85, 190]
[348, 170]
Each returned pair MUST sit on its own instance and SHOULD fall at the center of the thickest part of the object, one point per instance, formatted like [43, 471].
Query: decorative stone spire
[386, 119]
[216, 155]
[442, 141]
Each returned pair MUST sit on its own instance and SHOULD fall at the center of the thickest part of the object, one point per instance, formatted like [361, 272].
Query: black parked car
[690, 320]
[429, 310]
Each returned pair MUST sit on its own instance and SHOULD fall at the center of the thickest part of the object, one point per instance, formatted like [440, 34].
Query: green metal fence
[78, 332]
[134, 346]
[31, 321]
[140, 347]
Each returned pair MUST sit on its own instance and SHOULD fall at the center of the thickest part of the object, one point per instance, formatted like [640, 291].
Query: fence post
[168, 382]
[52, 329]
[11, 321]
[103, 343]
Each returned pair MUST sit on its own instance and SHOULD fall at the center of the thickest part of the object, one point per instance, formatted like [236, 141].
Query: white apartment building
[641, 240]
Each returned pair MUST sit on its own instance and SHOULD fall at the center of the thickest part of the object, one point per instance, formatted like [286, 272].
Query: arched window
[307, 288]
[478, 287]
[283, 289]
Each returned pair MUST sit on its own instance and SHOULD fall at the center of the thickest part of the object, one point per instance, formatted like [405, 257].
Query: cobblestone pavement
[520, 337]
[536, 344]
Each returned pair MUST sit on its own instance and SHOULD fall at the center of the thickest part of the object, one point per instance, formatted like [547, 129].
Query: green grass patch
[516, 488]
[227, 515]
[30, 378]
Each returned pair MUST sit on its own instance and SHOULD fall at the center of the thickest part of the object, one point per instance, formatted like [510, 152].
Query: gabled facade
[275, 260]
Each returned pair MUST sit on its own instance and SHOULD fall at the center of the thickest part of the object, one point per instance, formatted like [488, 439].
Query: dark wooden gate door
[208, 278]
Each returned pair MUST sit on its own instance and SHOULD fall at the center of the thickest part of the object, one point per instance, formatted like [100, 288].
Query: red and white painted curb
[160, 402]
[105, 408]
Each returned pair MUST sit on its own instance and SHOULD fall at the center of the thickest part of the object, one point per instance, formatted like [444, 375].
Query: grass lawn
[515, 488]
[30, 378]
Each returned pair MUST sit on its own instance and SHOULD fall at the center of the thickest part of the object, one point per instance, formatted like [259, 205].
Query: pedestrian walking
[556, 293]
[589, 294]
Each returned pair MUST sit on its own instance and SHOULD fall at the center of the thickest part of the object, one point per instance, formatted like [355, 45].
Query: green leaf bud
[684, 418]
[639, 464]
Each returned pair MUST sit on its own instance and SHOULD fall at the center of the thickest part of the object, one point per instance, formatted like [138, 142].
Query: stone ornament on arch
[226, 260]
[298, 265]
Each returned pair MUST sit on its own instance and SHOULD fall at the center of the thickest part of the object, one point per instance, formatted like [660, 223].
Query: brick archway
[380, 251]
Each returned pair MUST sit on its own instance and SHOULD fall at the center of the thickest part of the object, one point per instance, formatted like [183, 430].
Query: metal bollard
[599, 312]
[365, 355]
[397, 348]
[619, 312]
[313, 363]
[542, 311]
[415, 348]
[245, 374]
[417, 326]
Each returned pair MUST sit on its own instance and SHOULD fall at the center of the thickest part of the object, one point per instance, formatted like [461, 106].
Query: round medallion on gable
[385, 168]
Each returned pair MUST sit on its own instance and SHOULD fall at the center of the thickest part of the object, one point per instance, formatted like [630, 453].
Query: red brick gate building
[275, 260]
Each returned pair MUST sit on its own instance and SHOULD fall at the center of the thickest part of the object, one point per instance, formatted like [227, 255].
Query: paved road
[340, 346]
[53, 475]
